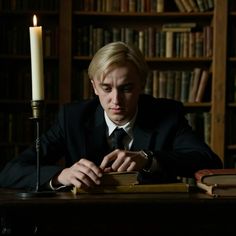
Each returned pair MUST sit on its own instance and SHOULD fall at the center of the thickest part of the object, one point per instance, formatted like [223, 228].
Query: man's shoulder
[152, 111]
[160, 103]
[81, 106]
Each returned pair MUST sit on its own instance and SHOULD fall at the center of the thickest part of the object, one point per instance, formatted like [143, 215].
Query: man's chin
[118, 119]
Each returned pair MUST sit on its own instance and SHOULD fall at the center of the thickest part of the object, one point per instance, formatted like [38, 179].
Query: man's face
[119, 92]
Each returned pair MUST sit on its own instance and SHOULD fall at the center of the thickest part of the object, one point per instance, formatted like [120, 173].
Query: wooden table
[117, 214]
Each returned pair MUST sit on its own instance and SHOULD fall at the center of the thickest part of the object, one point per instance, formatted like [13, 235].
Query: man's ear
[94, 86]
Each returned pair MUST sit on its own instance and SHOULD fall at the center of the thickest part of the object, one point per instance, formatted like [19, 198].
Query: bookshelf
[230, 109]
[96, 24]
[16, 128]
[69, 26]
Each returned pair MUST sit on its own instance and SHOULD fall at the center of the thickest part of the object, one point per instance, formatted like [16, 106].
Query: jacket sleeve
[178, 150]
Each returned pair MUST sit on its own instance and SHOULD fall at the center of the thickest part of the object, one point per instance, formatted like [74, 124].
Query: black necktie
[117, 141]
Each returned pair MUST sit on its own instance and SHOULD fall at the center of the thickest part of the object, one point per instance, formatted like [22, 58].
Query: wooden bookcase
[68, 17]
[230, 108]
[17, 130]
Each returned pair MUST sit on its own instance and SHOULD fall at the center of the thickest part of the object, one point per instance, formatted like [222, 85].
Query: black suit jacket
[80, 132]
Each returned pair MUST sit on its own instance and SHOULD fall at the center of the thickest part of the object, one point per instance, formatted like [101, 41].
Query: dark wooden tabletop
[192, 213]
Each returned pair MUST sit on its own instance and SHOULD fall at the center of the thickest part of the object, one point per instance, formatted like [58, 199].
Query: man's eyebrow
[103, 84]
[130, 84]
[122, 85]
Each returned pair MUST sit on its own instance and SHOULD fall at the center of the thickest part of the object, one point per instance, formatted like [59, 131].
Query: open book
[127, 182]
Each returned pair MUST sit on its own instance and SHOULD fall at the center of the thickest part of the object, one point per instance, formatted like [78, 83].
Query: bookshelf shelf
[158, 59]
[191, 15]
[17, 13]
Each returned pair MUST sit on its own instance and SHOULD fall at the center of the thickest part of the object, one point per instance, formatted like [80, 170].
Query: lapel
[144, 132]
[142, 138]
[99, 132]
[97, 145]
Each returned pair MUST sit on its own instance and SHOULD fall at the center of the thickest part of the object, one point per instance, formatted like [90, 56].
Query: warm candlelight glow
[35, 20]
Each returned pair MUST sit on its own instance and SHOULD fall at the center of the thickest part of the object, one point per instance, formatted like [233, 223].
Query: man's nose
[116, 95]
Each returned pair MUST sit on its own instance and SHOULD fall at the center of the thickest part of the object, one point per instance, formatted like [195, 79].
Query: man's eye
[106, 89]
[126, 89]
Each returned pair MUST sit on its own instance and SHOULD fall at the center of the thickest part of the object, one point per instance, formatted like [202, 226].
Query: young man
[158, 142]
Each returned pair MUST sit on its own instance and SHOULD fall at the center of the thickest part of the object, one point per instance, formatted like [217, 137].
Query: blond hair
[117, 54]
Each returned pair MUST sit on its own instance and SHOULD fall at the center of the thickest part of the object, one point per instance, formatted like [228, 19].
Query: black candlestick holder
[37, 111]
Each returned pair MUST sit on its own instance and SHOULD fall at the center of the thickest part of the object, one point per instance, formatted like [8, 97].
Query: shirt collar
[128, 127]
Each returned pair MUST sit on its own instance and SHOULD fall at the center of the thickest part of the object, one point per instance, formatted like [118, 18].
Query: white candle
[36, 61]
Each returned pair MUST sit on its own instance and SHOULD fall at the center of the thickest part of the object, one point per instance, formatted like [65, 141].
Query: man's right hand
[83, 174]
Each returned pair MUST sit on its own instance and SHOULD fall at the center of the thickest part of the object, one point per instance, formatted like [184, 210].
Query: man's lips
[117, 109]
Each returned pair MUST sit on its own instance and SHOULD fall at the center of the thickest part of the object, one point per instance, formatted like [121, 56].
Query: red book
[216, 176]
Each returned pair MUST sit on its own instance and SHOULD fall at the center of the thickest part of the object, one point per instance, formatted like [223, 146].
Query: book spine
[202, 86]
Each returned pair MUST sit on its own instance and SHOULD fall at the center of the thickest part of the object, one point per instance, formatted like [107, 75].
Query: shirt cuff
[55, 188]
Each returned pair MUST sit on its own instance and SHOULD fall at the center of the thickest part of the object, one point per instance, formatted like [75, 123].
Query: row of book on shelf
[157, 6]
[14, 40]
[23, 5]
[185, 86]
[180, 40]
[139, 6]
[21, 79]
[175, 41]
[17, 127]
[195, 5]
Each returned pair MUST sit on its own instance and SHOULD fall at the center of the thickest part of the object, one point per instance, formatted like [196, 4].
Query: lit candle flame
[35, 20]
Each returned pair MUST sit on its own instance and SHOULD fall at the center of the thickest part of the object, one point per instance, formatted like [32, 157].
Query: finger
[86, 175]
[108, 159]
[123, 163]
[79, 184]
[84, 171]
[132, 166]
[91, 166]
[108, 169]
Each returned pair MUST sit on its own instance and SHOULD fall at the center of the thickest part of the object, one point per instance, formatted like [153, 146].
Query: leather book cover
[119, 178]
[217, 190]
[137, 188]
[225, 176]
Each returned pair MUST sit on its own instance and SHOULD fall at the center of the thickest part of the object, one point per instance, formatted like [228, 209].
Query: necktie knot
[118, 136]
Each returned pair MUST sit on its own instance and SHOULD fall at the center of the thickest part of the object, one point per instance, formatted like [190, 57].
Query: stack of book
[217, 182]
[127, 182]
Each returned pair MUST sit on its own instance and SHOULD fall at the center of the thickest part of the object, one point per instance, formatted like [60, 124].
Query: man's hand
[82, 174]
[122, 160]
